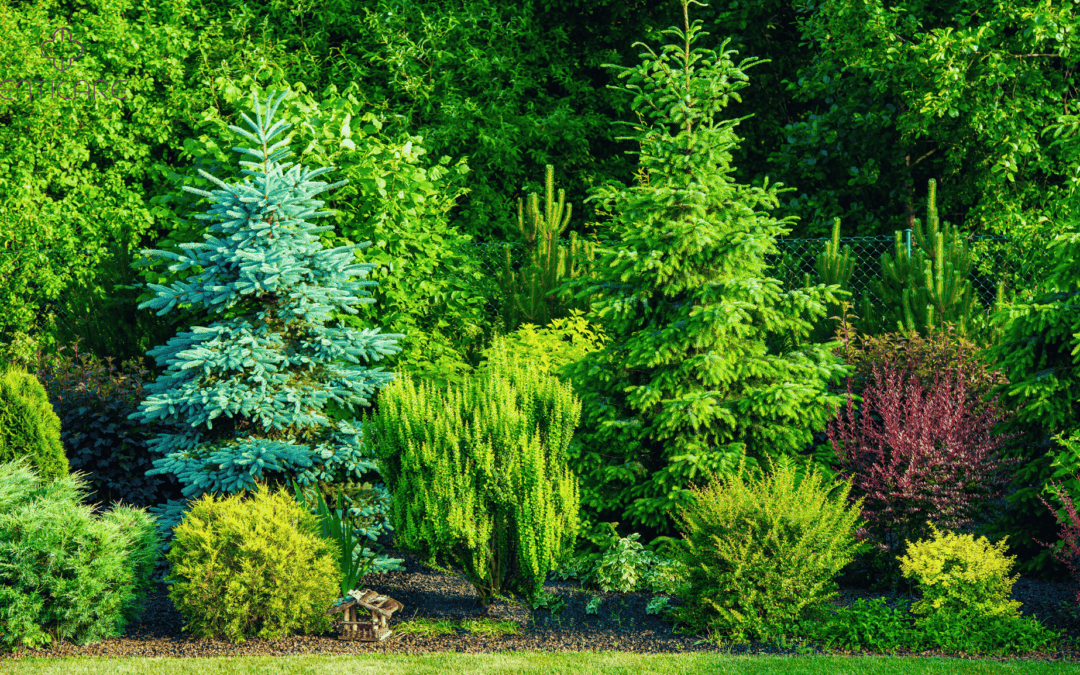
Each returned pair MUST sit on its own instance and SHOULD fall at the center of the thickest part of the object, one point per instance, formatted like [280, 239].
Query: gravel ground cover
[621, 624]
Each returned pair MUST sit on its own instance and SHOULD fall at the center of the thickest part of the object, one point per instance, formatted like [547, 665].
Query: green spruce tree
[1040, 351]
[246, 395]
[687, 383]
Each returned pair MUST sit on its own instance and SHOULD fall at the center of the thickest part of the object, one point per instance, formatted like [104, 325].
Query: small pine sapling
[532, 296]
[245, 395]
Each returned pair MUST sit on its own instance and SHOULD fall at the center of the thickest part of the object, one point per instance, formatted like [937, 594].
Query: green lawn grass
[548, 663]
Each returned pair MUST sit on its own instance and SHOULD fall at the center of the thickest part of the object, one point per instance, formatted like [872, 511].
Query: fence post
[907, 240]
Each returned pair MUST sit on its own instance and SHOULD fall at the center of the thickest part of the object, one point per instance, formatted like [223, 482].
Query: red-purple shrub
[928, 460]
[99, 439]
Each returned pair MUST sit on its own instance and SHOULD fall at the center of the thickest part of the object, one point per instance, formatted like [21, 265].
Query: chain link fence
[989, 268]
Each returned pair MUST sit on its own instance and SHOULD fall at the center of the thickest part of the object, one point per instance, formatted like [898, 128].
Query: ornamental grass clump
[762, 555]
[478, 473]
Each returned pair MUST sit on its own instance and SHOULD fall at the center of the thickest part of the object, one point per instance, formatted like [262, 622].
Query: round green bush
[762, 556]
[83, 577]
[28, 426]
[252, 567]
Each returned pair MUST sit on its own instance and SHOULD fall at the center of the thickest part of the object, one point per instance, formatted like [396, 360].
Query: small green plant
[593, 606]
[658, 605]
[626, 566]
[435, 627]
[549, 601]
[874, 626]
[620, 568]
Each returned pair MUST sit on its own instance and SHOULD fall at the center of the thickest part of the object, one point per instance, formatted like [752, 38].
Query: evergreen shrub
[28, 426]
[761, 556]
[478, 473]
[247, 567]
[64, 572]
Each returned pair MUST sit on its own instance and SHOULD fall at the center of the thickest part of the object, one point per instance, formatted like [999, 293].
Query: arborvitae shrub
[252, 567]
[928, 459]
[478, 473]
[762, 556]
[28, 426]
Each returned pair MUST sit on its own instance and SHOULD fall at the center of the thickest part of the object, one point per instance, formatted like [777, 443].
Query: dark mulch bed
[621, 624]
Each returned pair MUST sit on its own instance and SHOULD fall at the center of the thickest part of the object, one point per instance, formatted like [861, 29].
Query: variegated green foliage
[529, 296]
[478, 473]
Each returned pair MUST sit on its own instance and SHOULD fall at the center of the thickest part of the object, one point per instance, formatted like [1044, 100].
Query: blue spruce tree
[245, 395]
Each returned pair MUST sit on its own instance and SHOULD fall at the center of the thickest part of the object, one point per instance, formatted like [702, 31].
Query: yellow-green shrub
[479, 475]
[252, 567]
[955, 572]
[763, 556]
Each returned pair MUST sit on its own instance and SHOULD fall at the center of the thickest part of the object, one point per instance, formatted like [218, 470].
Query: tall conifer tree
[246, 395]
[688, 381]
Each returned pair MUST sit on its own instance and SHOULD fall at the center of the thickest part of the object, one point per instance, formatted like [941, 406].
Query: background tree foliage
[857, 108]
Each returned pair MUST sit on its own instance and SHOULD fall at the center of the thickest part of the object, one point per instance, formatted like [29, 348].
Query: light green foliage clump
[253, 567]
[64, 573]
[957, 572]
[478, 474]
[553, 347]
[28, 426]
[762, 556]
